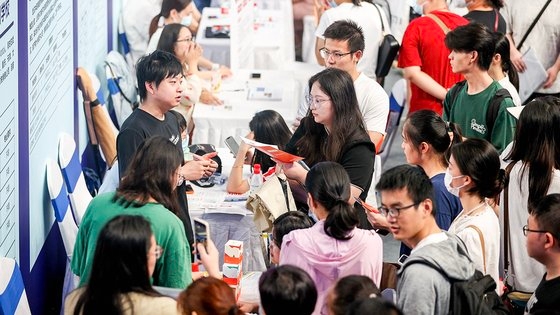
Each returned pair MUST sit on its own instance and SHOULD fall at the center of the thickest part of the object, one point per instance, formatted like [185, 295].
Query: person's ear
[311, 202]
[358, 55]
[474, 56]
[427, 207]
[497, 59]
[150, 87]
[174, 14]
[424, 147]
[550, 240]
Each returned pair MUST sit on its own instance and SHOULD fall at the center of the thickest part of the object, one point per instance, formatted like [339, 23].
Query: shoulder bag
[388, 49]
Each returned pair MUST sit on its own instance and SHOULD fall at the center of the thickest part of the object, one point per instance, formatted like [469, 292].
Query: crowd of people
[479, 195]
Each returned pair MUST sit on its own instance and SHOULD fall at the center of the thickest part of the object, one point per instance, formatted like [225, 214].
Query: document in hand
[273, 151]
[533, 77]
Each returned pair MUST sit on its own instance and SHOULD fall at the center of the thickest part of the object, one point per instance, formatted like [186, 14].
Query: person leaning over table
[333, 130]
[268, 127]
[148, 188]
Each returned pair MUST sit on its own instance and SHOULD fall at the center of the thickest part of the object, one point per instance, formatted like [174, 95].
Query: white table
[215, 123]
[229, 220]
[273, 43]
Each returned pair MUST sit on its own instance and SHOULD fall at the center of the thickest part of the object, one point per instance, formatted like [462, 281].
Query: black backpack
[474, 296]
[493, 109]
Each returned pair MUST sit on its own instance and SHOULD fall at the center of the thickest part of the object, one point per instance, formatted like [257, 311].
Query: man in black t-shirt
[543, 244]
[159, 78]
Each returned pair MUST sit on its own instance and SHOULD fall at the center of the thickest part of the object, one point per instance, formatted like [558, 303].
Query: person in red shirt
[424, 57]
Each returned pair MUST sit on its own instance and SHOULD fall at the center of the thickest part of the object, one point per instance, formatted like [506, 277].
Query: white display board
[242, 17]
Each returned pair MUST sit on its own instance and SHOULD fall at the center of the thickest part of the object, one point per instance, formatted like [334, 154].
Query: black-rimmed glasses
[395, 211]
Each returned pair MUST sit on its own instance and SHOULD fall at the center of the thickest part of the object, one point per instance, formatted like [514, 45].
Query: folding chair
[397, 101]
[122, 86]
[61, 206]
[13, 299]
[69, 162]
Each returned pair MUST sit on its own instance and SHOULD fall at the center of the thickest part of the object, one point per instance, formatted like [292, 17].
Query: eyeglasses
[526, 230]
[316, 102]
[158, 252]
[395, 211]
[186, 39]
[180, 179]
[325, 53]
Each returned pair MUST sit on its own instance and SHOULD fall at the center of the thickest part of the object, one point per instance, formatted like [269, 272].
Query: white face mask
[418, 8]
[459, 3]
[187, 20]
[447, 182]
[332, 3]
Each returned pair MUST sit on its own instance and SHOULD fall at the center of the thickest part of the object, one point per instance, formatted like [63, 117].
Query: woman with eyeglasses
[123, 262]
[148, 188]
[334, 247]
[474, 175]
[333, 130]
[535, 173]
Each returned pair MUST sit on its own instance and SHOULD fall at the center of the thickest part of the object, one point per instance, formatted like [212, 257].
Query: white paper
[533, 77]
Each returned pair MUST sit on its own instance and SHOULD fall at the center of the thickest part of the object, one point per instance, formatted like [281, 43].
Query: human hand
[225, 71]
[551, 74]
[197, 169]
[209, 98]
[292, 170]
[377, 220]
[209, 256]
[247, 307]
[517, 60]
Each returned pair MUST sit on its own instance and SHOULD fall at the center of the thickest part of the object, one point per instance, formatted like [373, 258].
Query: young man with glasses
[343, 48]
[407, 202]
[543, 244]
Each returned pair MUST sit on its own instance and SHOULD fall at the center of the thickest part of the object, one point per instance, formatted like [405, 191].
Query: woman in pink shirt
[334, 247]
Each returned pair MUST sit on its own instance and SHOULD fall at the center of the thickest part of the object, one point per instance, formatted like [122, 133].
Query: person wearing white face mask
[474, 175]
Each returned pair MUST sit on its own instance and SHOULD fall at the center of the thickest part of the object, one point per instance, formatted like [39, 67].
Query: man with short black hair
[285, 290]
[543, 244]
[159, 76]
[407, 202]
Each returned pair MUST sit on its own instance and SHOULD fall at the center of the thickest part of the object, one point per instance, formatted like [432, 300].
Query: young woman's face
[183, 44]
[321, 106]
[410, 151]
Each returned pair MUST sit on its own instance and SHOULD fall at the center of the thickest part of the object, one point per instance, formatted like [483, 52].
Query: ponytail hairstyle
[478, 159]
[166, 7]
[502, 48]
[427, 126]
[329, 185]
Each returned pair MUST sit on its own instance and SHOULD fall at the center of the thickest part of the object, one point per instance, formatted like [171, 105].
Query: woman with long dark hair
[535, 173]
[268, 127]
[124, 259]
[502, 69]
[148, 188]
[334, 130]
[334, 247]
[474, 175]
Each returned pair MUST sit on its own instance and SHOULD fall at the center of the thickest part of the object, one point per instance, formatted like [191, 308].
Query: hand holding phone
[201, 233]
[232, 144]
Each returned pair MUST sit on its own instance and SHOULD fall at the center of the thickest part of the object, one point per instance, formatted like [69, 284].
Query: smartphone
[232, 145]
[201, 233]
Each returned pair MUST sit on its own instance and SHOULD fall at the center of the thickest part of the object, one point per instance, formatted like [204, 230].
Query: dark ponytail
[166, 7]
[329, 185]
[502, 48]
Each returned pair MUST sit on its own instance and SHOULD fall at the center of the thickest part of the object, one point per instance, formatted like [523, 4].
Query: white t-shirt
[372, 100]
[488, 223]
[506, 84]
[154, 40]
[367, 17]
[525, 272]
[137, 16]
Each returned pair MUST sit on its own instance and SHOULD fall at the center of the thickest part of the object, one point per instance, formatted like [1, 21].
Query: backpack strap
[506, 217]
[474, 227]
[494, 108]
[454, 92]
[439, 22]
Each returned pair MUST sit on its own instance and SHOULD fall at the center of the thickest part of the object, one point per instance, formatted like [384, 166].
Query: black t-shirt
[357, 158]
[488, 18]
[140, 126]
[546, 297]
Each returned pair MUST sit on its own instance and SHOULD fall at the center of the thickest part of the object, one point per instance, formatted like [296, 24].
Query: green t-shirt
[172, 270]
[469, 112]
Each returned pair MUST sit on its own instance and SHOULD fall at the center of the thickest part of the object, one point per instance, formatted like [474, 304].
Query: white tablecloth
[228, 220]
[273, 42]
[213, 124]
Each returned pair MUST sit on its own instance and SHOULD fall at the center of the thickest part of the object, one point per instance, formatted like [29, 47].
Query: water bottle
[256, 179]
